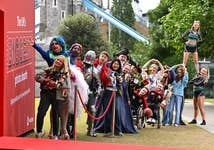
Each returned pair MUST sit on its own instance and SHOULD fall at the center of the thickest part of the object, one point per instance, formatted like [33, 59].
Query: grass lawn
[211, 100]
[189, 136]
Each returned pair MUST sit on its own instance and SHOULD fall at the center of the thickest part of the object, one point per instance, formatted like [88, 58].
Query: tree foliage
[82, 28]
[122, 9]
[160, 50]
[141, 52]
[174, 23]
[172, 18]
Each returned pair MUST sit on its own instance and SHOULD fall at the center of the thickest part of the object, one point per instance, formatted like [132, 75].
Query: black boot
[203, 122]
[193, 122]
[70, 125]
[182, 123]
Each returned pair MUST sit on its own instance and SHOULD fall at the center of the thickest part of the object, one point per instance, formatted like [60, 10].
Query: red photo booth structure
[17, 100]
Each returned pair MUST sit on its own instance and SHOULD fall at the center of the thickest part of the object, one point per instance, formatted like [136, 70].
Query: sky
[146, 5]
[142, 7]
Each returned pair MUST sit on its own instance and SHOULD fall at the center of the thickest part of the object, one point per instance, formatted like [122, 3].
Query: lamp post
[72, 7]
[109, 25]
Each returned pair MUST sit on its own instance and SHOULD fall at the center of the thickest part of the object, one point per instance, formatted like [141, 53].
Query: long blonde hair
[207, 76]
[196, 21]
[65, 66]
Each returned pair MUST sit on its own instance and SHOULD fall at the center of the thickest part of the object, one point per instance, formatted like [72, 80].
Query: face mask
[74, 54]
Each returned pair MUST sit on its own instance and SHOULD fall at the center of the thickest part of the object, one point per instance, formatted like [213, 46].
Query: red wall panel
[1, 69]
[17, 92]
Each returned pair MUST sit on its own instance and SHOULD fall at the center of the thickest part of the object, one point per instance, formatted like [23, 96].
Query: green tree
[122, 9]
[171, 19]
[174, 24]
[161, 51]
[82, 28]
[141, 53]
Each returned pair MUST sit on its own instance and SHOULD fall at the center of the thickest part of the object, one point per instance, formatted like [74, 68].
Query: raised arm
[43, 53]
[147, 63]
[185, 34]
[159, 64]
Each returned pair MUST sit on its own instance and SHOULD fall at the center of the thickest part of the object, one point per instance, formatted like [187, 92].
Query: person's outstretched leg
[195, 106]
[201, 108]
[185, 58]
[195, 59]
[178, 105]
[64, 119]
[182, 107]
[50, 134]
[42, 109]
[171, 109]
[70, 125]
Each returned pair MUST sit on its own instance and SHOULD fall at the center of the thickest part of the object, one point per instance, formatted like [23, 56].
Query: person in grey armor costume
[92, 78]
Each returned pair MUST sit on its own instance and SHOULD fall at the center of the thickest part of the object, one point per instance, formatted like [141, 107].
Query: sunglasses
[54, 43]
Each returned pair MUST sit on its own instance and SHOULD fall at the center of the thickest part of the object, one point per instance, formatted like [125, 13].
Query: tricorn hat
[122, 52]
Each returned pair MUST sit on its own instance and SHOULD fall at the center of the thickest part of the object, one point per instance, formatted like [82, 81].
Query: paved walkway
[209, 109]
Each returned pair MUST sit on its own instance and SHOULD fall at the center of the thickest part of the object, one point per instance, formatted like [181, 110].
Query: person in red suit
[100, 64]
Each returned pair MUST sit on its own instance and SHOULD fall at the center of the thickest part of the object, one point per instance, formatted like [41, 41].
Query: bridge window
[62, 14]
[55, 3]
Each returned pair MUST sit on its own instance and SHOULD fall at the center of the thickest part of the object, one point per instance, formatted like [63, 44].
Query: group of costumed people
[96, 83]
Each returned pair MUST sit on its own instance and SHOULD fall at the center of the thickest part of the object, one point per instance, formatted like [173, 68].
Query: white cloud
[139, 8]
[144, 6]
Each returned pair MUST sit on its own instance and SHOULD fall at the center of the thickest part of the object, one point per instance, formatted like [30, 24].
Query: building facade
[52, 12]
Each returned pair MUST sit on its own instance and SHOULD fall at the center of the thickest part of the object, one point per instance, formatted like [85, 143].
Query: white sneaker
[40, 134]
[55, 137]
[153, 120]
[176, 125]
[149, 120]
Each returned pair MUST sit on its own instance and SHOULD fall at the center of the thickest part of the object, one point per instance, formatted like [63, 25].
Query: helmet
[89, 57]
[148, 112]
